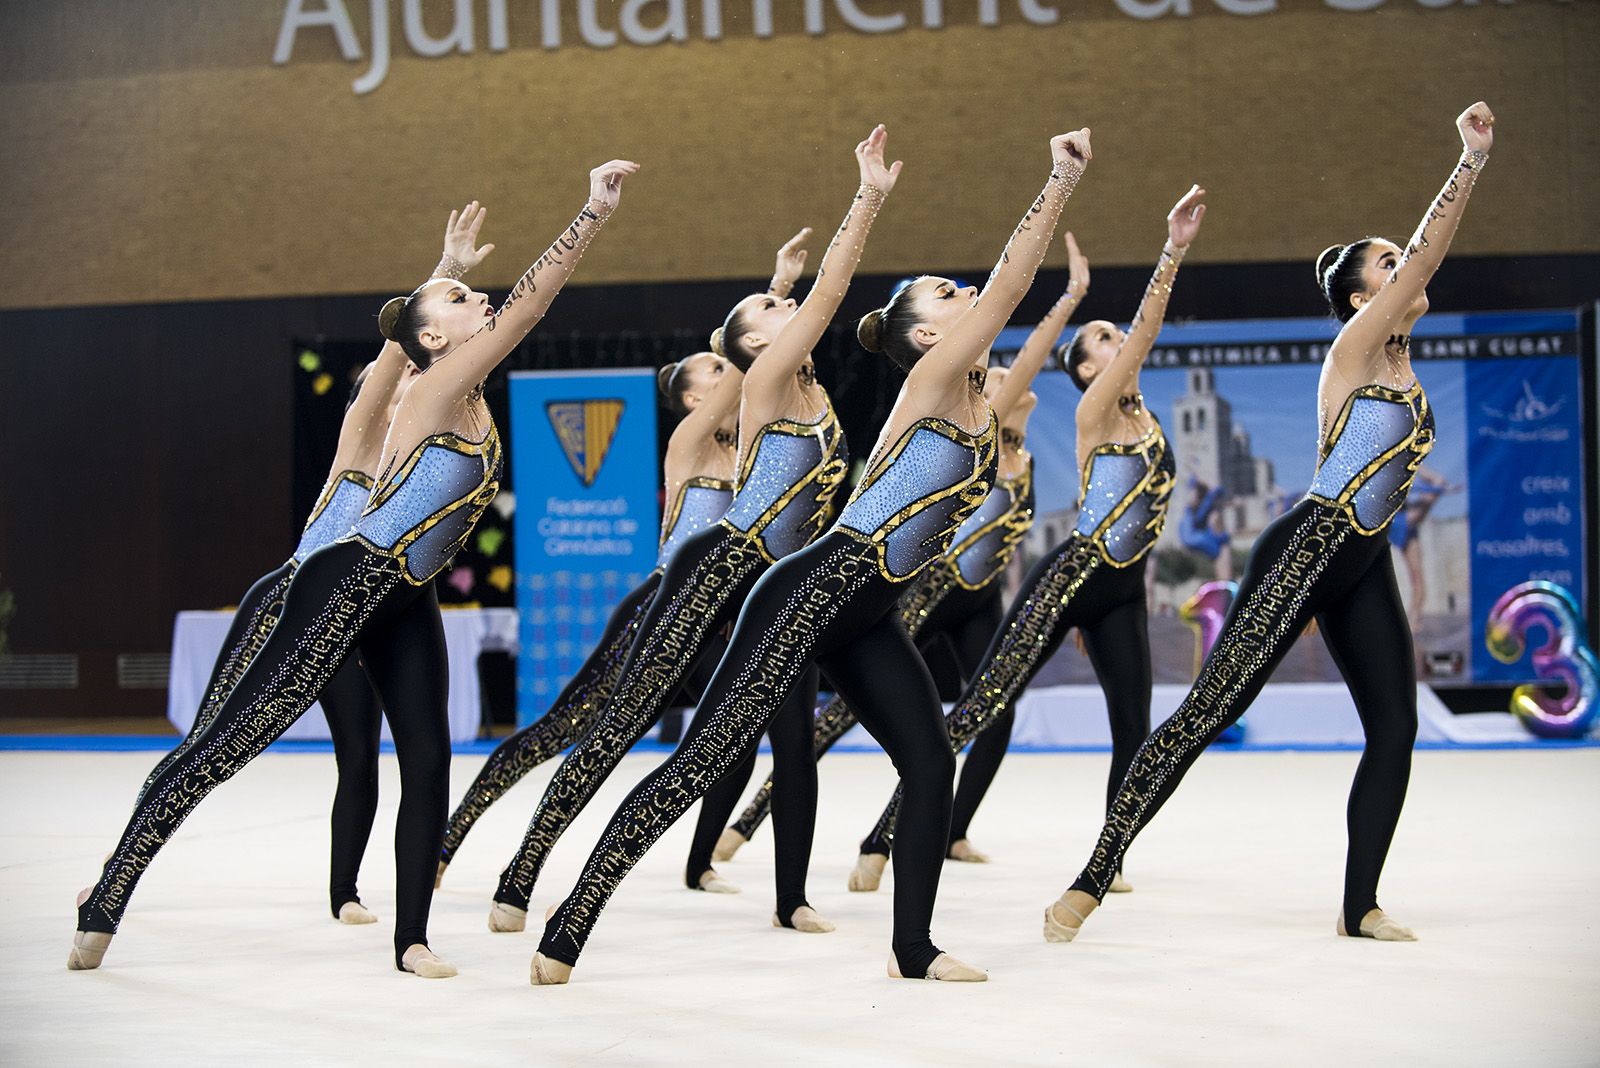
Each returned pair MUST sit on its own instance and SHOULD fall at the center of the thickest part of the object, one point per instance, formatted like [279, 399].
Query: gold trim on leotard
[1420, 439]
[973, 488]
[360, 478]
[1152, 446]
[1017, 521]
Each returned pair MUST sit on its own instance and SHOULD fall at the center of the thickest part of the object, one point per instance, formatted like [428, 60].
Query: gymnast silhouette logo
[1528, 420]
[1529, 408]
[585, 430]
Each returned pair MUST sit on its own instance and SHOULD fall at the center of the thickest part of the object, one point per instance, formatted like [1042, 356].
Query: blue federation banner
[1498, 501]
[1525, 441]
[583, 448]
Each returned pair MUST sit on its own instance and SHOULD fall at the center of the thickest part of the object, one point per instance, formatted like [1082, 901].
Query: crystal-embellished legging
[794, 753]
[354, 723]
[702, 589]
[344, 596]
[828, 603]
[1310, 563]
[1072, 587]
[573, 712]
[950, 624]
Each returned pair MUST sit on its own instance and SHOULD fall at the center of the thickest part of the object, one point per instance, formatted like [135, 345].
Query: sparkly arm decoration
[780, 286]
[1121, 376]
[976, 330]
[1037, 349]
[1363, 337]
[530, 298]
[449, 267]
[795, 341]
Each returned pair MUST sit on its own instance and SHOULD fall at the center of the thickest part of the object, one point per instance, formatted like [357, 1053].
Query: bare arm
[791, 263]
[945, 365]
[1360, 344]
[1037, 348]
[471, 361]
[775, 369]
[1122, 373]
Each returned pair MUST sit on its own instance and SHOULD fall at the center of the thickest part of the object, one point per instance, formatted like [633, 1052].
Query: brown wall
[154, 152]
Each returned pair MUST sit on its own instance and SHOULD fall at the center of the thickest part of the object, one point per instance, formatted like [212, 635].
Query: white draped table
[197, 638]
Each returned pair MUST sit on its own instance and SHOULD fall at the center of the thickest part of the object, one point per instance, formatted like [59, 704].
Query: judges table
[197, 638]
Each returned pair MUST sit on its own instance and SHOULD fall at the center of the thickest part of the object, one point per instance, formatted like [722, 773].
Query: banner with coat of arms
[583, 446]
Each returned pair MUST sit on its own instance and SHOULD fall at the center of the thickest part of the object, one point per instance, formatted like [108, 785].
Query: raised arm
[791, 263]
[696, 428]
[364, 424]
[1121, 374]
[776, 367]
[472, 360]
[1044, 337]
[1360, 343]
[947, 362]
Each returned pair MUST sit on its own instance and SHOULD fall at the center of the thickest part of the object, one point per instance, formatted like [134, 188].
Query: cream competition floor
[1225, 953]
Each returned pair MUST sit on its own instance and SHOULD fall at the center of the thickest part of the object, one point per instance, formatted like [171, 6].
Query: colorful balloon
[1205, 613]
[1565, 657]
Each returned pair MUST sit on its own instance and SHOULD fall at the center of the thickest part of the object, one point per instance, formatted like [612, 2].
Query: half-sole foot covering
[945, 969]
[547, 972]
[354, 912]
[1378, 926]
[1054, 929]
[712, 883]
[806, 921]
[507, 919]
[868, 872]
[964, 851]
[421, 961]
[727, 845]
[88, 949]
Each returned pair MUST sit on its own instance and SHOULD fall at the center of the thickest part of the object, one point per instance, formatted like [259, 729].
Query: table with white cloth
[197, 638]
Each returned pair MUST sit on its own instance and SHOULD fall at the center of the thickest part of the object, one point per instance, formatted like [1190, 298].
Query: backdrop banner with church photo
[1498, 501]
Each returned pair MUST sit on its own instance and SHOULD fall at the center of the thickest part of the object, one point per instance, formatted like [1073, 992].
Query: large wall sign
[645, 23]
[583, 447]
[1499, 500]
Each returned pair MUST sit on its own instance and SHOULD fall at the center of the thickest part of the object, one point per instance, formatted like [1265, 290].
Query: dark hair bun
[1325, 262]
[664, 376]
[390, 315]
[716, 343]
[869, 331]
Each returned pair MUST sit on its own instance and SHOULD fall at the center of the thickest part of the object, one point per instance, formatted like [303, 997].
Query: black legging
[918, 608]
[828, 603]
[701, 590]
[793, 804]
[355, 721]
[1072, 587]
[959, 629]
[253, 621]
[1309, 563]
[342, 597]
[566, 720]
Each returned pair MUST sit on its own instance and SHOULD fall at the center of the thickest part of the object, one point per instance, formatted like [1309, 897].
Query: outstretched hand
[1077, 266]
[1477, 128]
[869, 155]
[1071, 149]
[791, 258]
[1183, 221]
[461, 235]
[605, 182]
